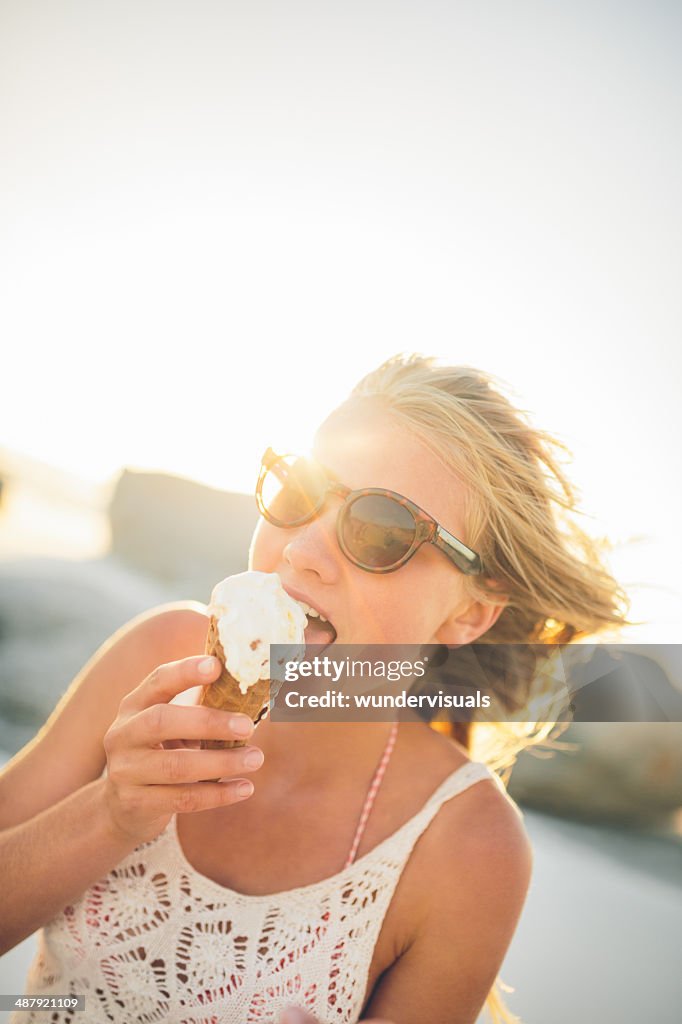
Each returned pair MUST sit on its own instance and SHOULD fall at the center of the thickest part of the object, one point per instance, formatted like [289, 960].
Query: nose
[314, 547]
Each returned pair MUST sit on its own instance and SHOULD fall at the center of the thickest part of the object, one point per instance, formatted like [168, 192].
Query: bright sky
[218, 216]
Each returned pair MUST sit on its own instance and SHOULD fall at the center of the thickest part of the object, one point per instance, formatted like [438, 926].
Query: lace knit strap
[461, 779]
[371, 794]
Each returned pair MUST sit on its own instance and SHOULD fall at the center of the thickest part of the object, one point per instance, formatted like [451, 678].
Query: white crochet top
[154, 940]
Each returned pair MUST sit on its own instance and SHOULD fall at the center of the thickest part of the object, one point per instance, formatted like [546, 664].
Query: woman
[370, 872]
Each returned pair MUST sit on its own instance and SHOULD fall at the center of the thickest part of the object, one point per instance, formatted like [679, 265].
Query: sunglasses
[377, 530]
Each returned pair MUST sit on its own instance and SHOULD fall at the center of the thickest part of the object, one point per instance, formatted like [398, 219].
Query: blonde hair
[520, 516]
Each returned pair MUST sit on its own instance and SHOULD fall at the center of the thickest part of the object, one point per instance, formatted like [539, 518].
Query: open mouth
[319, 633]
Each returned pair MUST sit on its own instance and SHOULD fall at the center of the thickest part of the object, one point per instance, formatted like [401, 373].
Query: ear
[466, 624]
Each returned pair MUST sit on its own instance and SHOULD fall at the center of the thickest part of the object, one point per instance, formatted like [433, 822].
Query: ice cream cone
[226, 695]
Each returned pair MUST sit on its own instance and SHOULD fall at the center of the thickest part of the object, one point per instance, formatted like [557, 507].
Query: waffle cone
[225, 694]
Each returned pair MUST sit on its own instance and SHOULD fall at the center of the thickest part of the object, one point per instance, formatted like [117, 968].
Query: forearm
[50, 860]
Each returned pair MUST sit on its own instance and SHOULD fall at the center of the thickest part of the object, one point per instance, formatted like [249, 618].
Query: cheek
[413, 607]
[399, 612]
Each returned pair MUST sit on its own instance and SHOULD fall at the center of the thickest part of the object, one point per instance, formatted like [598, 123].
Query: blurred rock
[182, 532]
[54, 614]
[626, 773]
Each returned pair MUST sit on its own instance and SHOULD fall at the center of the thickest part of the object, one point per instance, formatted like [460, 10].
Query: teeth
[312, 612]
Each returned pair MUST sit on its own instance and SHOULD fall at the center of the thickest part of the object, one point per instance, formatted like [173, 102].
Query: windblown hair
[520, 516]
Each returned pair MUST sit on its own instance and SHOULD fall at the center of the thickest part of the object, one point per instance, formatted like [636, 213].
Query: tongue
[317, 632]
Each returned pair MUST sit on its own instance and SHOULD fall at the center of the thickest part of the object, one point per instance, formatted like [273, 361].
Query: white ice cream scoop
[253, 610]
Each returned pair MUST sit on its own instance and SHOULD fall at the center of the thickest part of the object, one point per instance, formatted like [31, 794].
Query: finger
[167, 681]
[199, 796]
[163, 722]
[185, 766]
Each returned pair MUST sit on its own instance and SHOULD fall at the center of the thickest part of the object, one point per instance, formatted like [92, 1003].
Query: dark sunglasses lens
[292, 489]
[377, 530]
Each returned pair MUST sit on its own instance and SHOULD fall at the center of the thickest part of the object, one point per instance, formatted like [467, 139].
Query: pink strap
[371, 795]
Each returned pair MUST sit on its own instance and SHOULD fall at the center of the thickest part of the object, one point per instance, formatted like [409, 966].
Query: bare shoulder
[179, 629]
[464, 888]
[482, 815]
[479, 854]
[477, 842]
[488, 826]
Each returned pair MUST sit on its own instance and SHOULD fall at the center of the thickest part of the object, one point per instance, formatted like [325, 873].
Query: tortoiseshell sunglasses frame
[427, 529]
